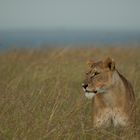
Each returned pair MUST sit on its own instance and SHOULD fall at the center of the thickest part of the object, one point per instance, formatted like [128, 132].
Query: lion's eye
[96, 73]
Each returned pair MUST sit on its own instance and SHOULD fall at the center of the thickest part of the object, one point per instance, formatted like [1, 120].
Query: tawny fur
[114, 106]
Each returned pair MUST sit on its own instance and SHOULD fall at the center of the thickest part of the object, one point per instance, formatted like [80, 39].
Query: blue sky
[70, 14]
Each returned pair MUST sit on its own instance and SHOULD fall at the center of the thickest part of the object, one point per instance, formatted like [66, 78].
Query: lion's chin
[90, 95]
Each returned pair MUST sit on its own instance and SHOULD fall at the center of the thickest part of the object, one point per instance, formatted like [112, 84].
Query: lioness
[112, 95]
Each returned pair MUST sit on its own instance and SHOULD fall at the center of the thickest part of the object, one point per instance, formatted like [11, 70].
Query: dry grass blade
[41, 96]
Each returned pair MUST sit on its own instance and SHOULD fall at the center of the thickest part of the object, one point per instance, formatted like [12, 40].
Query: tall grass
[41, 96]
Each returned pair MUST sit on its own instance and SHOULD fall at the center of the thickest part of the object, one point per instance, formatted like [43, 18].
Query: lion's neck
[116, 93]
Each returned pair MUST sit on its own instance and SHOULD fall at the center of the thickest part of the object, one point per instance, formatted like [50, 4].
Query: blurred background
[33, 23]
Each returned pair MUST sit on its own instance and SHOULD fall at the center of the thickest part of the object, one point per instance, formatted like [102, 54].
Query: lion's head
[98, 78]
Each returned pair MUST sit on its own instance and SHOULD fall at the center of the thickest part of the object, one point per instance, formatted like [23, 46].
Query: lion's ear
[90, 63]
[110, 63]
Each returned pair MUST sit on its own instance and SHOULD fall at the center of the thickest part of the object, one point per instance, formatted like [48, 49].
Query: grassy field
[41, 96]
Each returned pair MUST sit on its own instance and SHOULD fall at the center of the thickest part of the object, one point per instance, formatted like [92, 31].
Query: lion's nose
[95, 91]
[84, 85]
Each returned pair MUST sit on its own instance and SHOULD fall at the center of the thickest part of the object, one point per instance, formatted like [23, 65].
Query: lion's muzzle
[88, 93]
